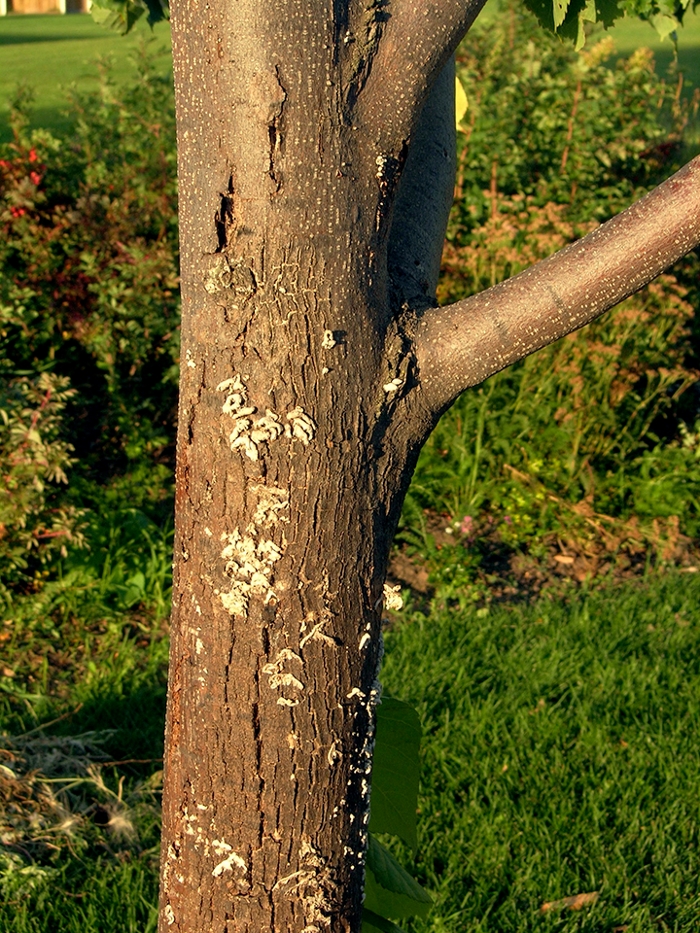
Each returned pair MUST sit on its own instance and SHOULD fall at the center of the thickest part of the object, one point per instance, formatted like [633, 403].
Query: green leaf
[573, 27]
[121, 15]
[559, 11]
[568, 17]
[389, 889]
[395, 771]
[607, 11]
[543, 11]
[158, 10]
[665, 25]
[372, 922]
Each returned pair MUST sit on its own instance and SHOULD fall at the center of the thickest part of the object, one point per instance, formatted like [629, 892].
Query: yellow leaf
[461, 102]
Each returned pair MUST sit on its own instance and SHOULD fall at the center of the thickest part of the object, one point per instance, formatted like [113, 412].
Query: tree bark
[316, 167]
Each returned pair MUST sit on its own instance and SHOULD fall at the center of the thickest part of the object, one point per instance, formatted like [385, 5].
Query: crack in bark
[274, 130]
[257, 737]
[362, 45]
[225, 219]
[389, 169]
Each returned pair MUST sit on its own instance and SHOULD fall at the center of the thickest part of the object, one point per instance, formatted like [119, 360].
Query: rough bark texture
[316, 162]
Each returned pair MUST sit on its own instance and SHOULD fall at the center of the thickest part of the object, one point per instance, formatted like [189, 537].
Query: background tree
[316, 165]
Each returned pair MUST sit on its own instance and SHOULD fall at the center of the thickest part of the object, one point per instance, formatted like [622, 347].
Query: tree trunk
[298, 434]
[316, 162]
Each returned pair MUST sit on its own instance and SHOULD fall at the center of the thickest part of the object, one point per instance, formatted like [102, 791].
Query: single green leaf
[158, 10]
[395, 771]
[389, 889]
[119, 15]
[607, 11]
[559, 8]
[372, 922]
[589, 14]
[665, 25]
[544, 12]
[573, 27]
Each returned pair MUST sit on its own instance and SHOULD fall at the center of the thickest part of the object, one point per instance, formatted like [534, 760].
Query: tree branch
[424, 198]
[462, 344]
[417, 39]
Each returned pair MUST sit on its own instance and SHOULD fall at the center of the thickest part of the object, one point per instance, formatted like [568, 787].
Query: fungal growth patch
[392, 598]
[250, 558]
[232, 859]
[280, 676]
[334, 754]
[249, 566]
[272, 502]
[302, 426]
[248, 433]
[314, 887]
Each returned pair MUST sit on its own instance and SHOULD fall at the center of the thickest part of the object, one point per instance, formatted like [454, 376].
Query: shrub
[33, 458]
[88, 273]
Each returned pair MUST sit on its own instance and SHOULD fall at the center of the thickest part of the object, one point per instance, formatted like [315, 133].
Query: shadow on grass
[135, 717]
[24, 38]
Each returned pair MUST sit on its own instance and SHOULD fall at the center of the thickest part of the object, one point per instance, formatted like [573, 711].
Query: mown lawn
[561, 757]
[53, 53]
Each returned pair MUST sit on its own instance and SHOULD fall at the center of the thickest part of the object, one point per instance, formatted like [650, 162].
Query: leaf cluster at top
[570, 18]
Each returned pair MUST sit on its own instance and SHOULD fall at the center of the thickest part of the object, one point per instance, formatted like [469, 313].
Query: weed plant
[89, 316]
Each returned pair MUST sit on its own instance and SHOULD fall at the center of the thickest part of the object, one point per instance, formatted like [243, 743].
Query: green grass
[561, 756]
[82, 691]
[88, 896]
[55, 53]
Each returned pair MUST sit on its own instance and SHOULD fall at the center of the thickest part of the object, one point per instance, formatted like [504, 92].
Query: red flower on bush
[17, 211]
[35, 177]
[32, 155]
